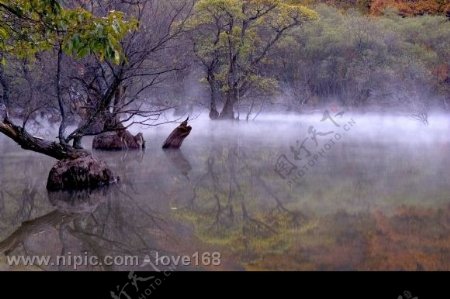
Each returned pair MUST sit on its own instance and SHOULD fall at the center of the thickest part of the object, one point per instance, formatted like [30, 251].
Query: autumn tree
[232, 38]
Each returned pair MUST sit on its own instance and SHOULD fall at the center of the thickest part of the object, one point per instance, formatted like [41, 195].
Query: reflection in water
[88, 224]
[33, 227]
[179, 161]
[226, 207]
[372, 204]
[79, 202]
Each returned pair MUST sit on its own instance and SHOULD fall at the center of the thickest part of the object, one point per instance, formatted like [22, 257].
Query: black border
[361, 285]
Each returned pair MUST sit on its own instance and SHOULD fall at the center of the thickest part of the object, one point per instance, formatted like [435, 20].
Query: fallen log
[177, 136]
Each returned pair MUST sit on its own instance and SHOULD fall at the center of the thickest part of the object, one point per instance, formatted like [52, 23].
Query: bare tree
[112, 97]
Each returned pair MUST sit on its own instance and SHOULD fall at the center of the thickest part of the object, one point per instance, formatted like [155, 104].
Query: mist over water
[385, 179]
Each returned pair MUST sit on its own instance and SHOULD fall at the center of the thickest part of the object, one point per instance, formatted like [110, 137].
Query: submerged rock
[82, 173]
[118, 141]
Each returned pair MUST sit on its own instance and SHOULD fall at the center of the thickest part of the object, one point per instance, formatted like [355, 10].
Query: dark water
[374, 197]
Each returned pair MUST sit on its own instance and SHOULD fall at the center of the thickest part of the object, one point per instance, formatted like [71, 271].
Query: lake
[337, 191]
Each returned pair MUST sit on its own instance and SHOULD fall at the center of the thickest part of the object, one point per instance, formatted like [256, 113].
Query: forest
[150, 56]
[108, 91]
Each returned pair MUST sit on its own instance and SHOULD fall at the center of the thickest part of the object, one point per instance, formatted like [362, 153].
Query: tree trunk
[5, 86]
[228, 108]
[63, 125]
[77, 142]
[119, 97]
[29, 142]
[215, 95]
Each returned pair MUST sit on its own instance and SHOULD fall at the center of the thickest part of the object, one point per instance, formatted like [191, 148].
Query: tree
[232, 38]
[29, 28]
[148, 62]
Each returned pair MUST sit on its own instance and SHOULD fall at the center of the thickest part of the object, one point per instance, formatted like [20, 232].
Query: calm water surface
[371, 194]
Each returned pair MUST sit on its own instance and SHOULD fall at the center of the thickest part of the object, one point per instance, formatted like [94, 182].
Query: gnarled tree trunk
[29, 142]
[76, 169]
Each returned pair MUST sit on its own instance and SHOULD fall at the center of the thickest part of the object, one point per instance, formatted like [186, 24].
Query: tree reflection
[232, 204]
[179, 161]
[229, 202]
[101, 223]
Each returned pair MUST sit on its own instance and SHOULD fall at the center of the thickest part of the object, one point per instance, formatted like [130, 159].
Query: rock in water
[177, 136]
[118, 141]
[77, 174]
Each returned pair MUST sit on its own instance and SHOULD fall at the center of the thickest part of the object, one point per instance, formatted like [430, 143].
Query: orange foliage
[376, 7]
[410, 7]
